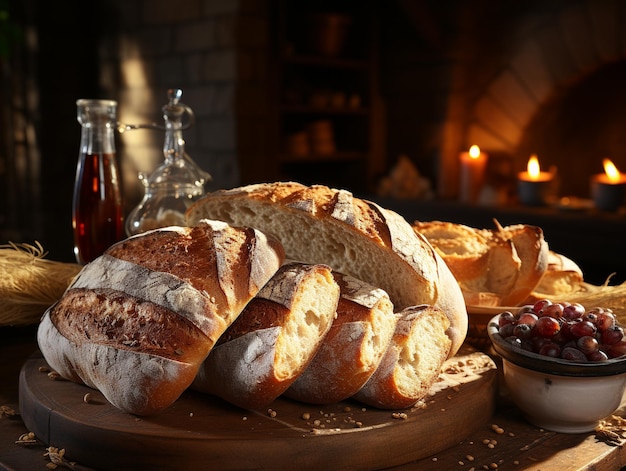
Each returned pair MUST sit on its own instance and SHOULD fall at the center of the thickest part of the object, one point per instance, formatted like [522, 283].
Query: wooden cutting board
[202, 432]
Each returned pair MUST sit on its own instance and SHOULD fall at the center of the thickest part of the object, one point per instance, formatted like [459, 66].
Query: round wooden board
[199, 431]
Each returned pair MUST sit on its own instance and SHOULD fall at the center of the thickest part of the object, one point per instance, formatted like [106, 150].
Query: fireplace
[515, 78]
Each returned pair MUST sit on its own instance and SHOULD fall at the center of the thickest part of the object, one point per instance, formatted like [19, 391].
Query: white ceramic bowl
[559, 395]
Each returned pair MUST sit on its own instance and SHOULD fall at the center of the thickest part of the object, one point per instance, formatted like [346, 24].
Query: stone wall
[215, 51]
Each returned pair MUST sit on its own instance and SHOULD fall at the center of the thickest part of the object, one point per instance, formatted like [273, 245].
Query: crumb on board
[612, 430]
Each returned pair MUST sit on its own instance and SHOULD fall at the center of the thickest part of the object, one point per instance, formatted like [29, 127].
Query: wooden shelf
[329, 98]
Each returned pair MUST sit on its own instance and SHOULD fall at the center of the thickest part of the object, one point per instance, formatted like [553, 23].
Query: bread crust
[353, 348]
[318, 224]
[412, 362]
[274, 339]
[499, 266]
[138, 321]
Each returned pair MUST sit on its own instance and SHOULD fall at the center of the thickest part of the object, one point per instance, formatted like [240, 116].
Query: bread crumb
[7, 411]
[26, 439]
[57, 458]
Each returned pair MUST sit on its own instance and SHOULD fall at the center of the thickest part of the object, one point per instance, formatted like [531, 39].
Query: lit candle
[608, 188]
[533, 185]
[472, 174]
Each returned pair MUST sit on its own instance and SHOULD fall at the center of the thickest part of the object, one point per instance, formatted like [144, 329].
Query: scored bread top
[138, 321]
[318, 224]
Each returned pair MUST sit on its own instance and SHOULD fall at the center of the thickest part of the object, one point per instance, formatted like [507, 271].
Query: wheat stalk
[29, 283]
[590, 296]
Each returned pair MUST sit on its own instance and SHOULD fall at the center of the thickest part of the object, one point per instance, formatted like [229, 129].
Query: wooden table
[520, 447]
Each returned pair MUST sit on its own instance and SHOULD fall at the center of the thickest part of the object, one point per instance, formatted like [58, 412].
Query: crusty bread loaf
[498, 266]
[318, 224]
[412, 362]
[138, 321]
[353, 348]
[533, 251]
[274, 339]
[562, 278]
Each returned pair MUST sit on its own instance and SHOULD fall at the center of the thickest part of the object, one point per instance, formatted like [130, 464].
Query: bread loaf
[562, 278]
[353, 348]
[274, 339]
[138, 321]
[318, 224]
[498, 266]
[412, 362]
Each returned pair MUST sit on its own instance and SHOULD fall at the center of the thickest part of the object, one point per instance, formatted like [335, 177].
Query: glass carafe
[97, 208]
[176, 183]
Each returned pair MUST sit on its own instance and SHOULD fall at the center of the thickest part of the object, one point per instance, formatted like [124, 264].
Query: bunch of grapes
[564, 330]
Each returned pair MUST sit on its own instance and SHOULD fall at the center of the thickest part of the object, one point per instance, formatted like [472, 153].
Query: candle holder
[534, 187]
[534, 192]
[607, 196]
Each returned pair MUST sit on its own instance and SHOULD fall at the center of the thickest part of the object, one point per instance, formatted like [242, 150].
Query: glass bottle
[176, 183]
[97, 209]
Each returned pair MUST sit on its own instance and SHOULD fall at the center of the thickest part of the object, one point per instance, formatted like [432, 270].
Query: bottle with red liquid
[97, 209]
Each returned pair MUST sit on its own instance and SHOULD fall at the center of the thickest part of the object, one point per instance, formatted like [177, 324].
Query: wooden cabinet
[328, 120]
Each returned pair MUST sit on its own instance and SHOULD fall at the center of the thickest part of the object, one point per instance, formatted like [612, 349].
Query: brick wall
[215, 51]
[493, 73]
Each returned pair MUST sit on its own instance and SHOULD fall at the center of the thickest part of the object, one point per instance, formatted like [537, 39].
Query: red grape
[612, 335]
[547, 327]
[605, 320]
[541, 305]
[573, 311]
[573, 354]
[552, 310]
[580, 329]
[598, 355]
[523, 331]
[506, 317]
[527, 318]
[587, 344]
[617, 349]
[550, 349]
[564, 330]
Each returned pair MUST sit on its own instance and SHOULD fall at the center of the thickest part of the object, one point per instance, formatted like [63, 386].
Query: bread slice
[356, 237]
[138, 321]
[412, 362]
[353, 347]
[498, 266]
[274, 339]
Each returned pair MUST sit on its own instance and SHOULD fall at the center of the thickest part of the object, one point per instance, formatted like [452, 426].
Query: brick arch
[579, 40]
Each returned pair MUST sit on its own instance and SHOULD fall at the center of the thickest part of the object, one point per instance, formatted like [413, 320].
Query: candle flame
[611, 171]
[533, 167]
[474, 152]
